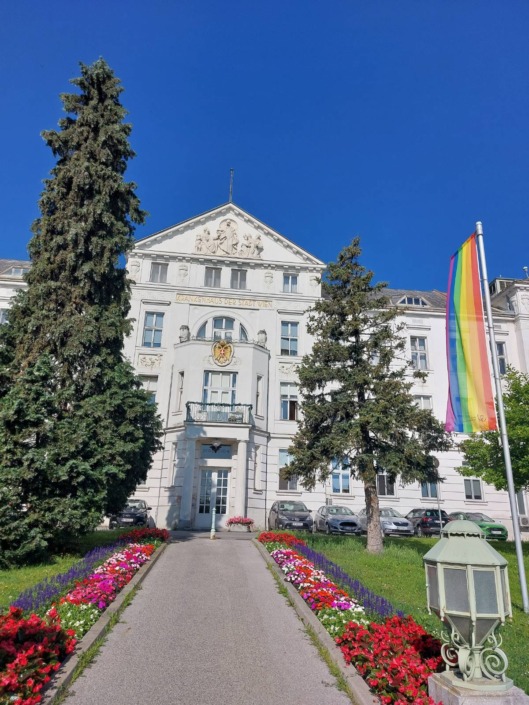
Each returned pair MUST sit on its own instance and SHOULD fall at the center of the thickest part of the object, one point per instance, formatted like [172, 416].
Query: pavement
[208, 627]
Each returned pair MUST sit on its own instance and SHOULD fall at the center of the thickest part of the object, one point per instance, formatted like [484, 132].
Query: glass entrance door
[214, 485]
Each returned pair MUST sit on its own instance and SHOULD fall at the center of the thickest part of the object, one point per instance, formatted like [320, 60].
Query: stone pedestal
[450, 689]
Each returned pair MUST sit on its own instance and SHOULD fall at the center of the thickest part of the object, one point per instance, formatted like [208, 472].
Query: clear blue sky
[403, 122]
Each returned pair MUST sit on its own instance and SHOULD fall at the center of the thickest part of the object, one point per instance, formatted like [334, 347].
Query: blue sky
[401, 122]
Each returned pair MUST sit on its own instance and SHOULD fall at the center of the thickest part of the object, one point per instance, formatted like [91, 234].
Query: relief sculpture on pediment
[226, 241]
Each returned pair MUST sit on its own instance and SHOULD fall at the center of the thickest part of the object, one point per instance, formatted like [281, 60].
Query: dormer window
[413, 301]
[17, 271]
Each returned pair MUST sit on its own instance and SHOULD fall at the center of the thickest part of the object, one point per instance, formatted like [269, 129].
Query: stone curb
[65, 673]
[359, 688]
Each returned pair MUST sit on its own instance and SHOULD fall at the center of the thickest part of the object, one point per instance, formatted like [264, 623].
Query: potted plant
[240, 521]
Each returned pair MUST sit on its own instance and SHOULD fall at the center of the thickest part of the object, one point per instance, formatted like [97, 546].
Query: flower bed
[395, 657]
[33, 647]
[240, 521]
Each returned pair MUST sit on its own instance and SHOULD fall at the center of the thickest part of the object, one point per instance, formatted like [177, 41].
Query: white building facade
[220, 305]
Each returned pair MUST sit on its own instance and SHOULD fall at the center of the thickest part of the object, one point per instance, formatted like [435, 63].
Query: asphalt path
[208, 627]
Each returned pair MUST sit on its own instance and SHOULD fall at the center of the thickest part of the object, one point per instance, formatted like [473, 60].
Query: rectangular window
[502, 358]
[152, 330]
[289, 338]
[290, 283]
[385, 485]
[419, 354]
[284, 483]
[259, 396]
[223, 328]
[473, 489]
[423, 401]
[212, 276]
[158, 272]
[150, 384]
[289, 402]
[238, 279]
[4, 312]
[180, 392]
[219, 387]
[429, 490]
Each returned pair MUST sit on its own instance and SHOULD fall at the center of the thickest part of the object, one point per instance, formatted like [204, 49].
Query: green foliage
[355, 390]
[77, 432]
[483, 453]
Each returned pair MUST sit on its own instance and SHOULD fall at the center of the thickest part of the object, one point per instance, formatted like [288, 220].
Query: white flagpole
[501, 415]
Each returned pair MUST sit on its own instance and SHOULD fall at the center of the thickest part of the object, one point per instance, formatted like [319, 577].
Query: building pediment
[226, 232]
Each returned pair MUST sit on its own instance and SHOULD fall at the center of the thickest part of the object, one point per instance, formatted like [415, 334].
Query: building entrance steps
[208, 627]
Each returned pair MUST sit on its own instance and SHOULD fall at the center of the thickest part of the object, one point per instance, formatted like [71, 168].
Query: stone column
[242, 479]
[187, 488]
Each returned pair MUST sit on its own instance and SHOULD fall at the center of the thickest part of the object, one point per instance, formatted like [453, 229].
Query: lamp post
[468, 589]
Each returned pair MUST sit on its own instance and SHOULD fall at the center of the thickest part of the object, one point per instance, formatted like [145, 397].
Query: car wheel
[419, 531]
[112, 525]
[327, 529]
[314, 528]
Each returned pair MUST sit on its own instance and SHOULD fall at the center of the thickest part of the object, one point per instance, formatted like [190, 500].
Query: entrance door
[213, 493]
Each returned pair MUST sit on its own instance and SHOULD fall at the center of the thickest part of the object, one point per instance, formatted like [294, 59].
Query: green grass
[15, 580]
[398, 575]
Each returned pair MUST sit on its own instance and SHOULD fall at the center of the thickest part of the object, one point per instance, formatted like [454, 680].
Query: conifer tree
[77, 432]
[355, 385]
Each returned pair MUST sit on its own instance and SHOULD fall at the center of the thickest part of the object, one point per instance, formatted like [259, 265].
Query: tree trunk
[375, 539]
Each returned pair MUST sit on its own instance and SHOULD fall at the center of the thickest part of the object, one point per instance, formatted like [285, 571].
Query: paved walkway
[208, 627]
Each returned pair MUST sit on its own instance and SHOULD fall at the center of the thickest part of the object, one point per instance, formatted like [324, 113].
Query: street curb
[64, 675]
[361, 693]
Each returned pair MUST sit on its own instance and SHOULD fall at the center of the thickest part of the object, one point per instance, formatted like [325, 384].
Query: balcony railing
[200, 412]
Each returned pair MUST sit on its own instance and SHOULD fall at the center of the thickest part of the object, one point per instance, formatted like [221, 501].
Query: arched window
[222, 328]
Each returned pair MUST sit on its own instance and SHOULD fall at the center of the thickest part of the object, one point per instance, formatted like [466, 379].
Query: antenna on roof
[231, 185]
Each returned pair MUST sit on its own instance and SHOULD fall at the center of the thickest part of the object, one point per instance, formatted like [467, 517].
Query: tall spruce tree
[77, 432]
[355, 385]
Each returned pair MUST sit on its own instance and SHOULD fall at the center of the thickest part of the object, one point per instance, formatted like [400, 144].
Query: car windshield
[340, 510]
[478, 516]
[135, 504]
[390, 513]
[293, 507]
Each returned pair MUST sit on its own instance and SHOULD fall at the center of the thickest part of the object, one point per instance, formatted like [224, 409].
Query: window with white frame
[413, 301]
[502, 358]
[219, 387]
[17, 271]
[423, 401]
[473, 488]
[289, 401]
[419, 352]
[150, 384]
[212, 276]
[259, 396]
[286, 484]
[341, 476]
[158, 272]
[4, 314]
[238, 279]
[289, 338]
[290, 283]
[152, 329]
[222, 328]
[429, 490]
[385, 484]
[180, 391]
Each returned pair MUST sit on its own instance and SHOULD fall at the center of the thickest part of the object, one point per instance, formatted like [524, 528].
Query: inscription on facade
[221, 301]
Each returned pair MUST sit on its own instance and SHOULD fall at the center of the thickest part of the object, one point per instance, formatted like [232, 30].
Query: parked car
[391, 522]
[336, 520]
[491, 528]
[426, 520]
[289, 515]
[136, 513]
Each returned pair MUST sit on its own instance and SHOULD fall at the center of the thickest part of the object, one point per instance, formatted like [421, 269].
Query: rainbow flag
[470, 402]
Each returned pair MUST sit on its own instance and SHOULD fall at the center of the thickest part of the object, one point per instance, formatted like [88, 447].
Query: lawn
[398, 575]
[14, 581]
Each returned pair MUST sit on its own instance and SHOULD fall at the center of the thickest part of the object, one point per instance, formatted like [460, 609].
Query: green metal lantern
[468, 588]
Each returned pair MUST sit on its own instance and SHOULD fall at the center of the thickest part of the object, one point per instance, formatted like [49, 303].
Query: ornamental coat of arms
[222, 352]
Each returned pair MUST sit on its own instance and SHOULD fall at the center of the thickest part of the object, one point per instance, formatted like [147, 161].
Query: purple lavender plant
[39, 597]
[372, 603]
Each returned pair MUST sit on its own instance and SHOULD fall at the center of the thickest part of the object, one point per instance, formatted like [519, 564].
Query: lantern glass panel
[433, 587]
[485, 586]
[483, 627]
[456, 590]
[503, 574]
[463, 626]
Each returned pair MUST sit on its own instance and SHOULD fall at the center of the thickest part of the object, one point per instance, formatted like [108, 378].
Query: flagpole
[501, 414]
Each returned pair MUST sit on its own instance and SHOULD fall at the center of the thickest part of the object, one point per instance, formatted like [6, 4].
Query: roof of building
[433, 299]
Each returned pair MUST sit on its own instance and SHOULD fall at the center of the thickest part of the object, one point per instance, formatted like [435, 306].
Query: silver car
[336, 520]
[391, 522]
